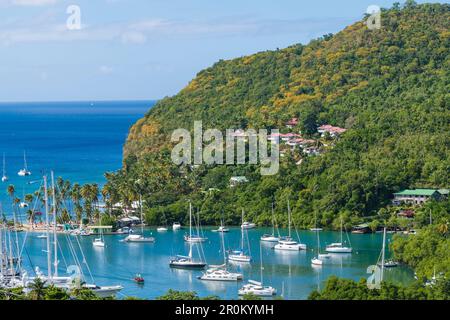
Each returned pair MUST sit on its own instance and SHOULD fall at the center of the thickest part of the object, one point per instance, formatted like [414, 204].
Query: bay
[118, 263]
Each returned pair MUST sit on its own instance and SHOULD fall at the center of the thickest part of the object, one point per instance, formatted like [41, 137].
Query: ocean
[79, 141]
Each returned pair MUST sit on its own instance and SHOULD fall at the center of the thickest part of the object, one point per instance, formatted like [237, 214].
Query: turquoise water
[78, 140]
[118, 262]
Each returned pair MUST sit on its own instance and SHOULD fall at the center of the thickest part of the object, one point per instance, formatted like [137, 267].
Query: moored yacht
[187, 262]
[140, 238]
[248, 225]
[257, 288]
[287, 243]
[24, 172]
[271, 237]
[339, 247]
[240, 255]
[176, 226]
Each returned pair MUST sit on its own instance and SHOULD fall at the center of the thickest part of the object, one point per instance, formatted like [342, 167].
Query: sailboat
[316, 261]
[222, 228]
[338, 247]
[220, 273]
[4, 177]
[52, 278]
[163, 229]
[99, 242]
[287, 243]
[257, 288]
[271, 237]
[187, 262]
[24, 172]
[196, 237]
[239, 255]
[386, 263]
[140, 238]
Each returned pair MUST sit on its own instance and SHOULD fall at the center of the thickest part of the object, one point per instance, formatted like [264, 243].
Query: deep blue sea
[79, 141]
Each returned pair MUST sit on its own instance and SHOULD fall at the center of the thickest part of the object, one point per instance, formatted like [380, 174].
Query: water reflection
[118, 262]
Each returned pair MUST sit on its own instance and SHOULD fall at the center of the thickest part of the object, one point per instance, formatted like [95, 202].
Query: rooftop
[416, 192]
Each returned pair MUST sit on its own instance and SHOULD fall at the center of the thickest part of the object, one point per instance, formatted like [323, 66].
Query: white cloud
[141, 32]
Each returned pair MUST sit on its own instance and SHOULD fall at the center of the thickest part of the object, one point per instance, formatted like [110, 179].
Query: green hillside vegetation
[388, 87]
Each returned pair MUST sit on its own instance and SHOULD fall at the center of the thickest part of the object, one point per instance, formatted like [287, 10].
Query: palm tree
[37, 289]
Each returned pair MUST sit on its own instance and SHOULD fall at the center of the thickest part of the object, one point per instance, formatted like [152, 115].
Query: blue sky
[146, 49]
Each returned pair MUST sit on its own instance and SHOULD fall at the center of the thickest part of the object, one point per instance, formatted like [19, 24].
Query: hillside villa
[419, 196]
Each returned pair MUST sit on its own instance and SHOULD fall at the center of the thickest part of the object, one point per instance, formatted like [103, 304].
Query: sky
[146, 49]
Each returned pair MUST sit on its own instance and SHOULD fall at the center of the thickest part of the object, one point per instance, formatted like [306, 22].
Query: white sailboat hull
[339, 250]
[239, 258]
[256, 290]
[270, 239]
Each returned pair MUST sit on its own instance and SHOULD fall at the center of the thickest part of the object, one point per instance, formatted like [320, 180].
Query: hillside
[388, 87]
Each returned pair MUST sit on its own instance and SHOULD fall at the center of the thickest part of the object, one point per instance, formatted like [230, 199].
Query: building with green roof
[419, 196]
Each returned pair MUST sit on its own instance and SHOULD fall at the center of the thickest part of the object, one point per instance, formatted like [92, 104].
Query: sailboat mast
[242, 231]
[273, 222]
[25, 161]
[55, 238]
[342, 225]
[49, 259]
[1, 250]
[4, 165]
[383, 254]
[142, 221]
[261, 262]
[190, 230]
[289, 218]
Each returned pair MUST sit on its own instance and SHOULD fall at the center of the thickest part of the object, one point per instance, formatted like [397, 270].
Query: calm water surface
[118, 262]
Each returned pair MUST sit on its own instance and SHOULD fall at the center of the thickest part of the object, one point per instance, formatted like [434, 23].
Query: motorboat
[139, 238]
[98, 242]
[220, 273]
[176, 226]
[248, 225]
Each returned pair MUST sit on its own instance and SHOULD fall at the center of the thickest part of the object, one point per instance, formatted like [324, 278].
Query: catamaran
[140, 238]
[187, 262]
[271, 237]
[198, 237]
[287, 243]
[257, 288]
[240, 255]
[24, 172]
[338, 247]
[220, 273]
[4, 177]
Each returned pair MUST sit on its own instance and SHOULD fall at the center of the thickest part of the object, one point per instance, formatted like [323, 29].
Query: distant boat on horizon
[4, 177]
[24, 172]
